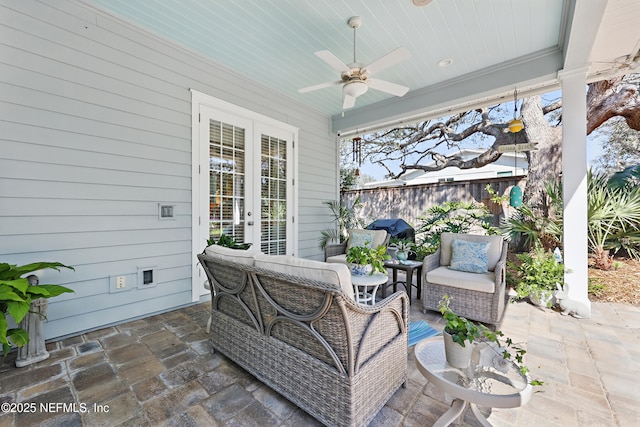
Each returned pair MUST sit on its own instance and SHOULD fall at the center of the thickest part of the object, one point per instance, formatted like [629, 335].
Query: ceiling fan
[356, 77]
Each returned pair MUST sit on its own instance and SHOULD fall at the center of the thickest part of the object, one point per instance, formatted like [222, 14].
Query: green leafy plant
[345, 217]
[613, 219]
[537, 273]
[229, 242]
[464, 330]
[364, 255]
[402, 245]
[454, 217]
[16, 295]
[594, 287]
[532, 227]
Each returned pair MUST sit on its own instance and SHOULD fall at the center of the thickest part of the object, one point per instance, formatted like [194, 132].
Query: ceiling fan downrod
[354, 22]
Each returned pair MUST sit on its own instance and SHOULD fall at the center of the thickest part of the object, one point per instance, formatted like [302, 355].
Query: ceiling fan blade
[333, 60]
[319, 86]
[391, 58]
[388, 87]
[348, 101]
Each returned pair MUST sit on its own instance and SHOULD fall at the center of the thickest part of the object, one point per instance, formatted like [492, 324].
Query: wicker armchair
[476, 296]
[337, 252]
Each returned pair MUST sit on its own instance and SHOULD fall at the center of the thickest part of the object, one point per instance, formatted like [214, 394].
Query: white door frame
[200, 182]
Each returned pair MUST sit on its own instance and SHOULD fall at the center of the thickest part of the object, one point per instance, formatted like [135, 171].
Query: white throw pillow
[240, 256]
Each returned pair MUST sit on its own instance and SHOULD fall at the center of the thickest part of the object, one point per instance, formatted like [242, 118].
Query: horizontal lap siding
[95, 131]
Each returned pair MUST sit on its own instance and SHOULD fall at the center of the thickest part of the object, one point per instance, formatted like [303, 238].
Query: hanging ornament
[516, 124]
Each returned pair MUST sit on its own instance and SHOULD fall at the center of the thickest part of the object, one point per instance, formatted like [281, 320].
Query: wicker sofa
[476, 296]
[294, 325]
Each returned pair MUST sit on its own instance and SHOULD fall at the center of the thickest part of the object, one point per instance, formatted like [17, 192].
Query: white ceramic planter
[457, 355]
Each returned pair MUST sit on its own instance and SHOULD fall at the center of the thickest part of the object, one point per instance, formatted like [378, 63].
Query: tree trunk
[545, 164]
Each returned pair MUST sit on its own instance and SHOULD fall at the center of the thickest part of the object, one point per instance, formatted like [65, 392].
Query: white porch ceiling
[495, 45]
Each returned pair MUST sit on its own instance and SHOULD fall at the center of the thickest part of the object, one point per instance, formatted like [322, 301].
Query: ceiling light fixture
[355, 88]
[516, 124]
[421, 2]
[445, 62]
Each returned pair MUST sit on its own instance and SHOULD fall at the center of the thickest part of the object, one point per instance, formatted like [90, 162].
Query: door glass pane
[226, 178]
[273, 195]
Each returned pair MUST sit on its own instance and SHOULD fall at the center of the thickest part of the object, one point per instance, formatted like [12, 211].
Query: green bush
[535, 274]
[454, 217]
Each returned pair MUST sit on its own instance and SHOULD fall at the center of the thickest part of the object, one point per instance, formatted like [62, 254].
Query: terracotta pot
[457, 355]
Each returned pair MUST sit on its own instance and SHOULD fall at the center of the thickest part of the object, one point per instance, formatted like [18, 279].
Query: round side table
[362, 283]
[490, 381]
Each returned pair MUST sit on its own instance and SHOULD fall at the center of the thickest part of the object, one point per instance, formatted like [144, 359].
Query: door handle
[250, 223]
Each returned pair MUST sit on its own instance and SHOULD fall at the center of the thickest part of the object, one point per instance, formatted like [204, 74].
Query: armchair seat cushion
[459, 279]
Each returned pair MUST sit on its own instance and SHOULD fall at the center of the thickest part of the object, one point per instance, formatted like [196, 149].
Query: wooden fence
[410, 202]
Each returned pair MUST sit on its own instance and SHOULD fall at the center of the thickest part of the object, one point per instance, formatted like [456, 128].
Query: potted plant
[536, 276]
[460, 333]
[365, 259]
[403, 247]
[16, 294]
[229, 242]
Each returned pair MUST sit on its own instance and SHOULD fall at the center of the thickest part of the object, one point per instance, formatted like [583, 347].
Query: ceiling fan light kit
[355, 78]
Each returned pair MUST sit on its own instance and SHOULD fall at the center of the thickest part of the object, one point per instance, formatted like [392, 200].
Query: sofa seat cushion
[494, 250]
[463, 280]
[240, 256]
[337, 274]
[338, 259]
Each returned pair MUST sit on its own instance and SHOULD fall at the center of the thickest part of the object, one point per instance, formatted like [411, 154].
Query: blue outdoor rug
[420, 330]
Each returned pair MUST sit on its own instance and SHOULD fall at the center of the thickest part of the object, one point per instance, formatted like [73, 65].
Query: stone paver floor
[159, 371]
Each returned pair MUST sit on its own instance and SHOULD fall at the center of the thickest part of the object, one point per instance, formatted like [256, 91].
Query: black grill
[397, 228]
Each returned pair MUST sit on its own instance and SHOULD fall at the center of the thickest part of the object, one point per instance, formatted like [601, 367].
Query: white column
[574, 183]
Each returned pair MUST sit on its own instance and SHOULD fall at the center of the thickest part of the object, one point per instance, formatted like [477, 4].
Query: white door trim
[199, 151]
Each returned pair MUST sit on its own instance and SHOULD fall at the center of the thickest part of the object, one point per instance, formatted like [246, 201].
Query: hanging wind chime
[515, 126]
[356, 143]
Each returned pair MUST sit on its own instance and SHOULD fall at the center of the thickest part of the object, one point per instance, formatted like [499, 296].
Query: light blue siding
[95, 131]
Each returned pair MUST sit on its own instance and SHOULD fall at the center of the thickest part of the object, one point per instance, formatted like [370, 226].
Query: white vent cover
[166, 211]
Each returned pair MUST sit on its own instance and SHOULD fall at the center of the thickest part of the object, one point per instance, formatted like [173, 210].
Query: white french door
[243, 185]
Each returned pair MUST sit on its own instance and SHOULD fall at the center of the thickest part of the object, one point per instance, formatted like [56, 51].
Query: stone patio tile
[254, 415]
[72, 341]
[100, 333]
[20, 378]
[177, 359]
[118, 340]
[195, 416]
[227, 403]
[181, 374]
[82, 362]
[55, 383]
[274, 402]
[146, 389]
[140, 369]
[626, 410]
[128, 353]
[88, 347]
[59, 402]
[113, 412]
[552, 410]
[177, 401]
